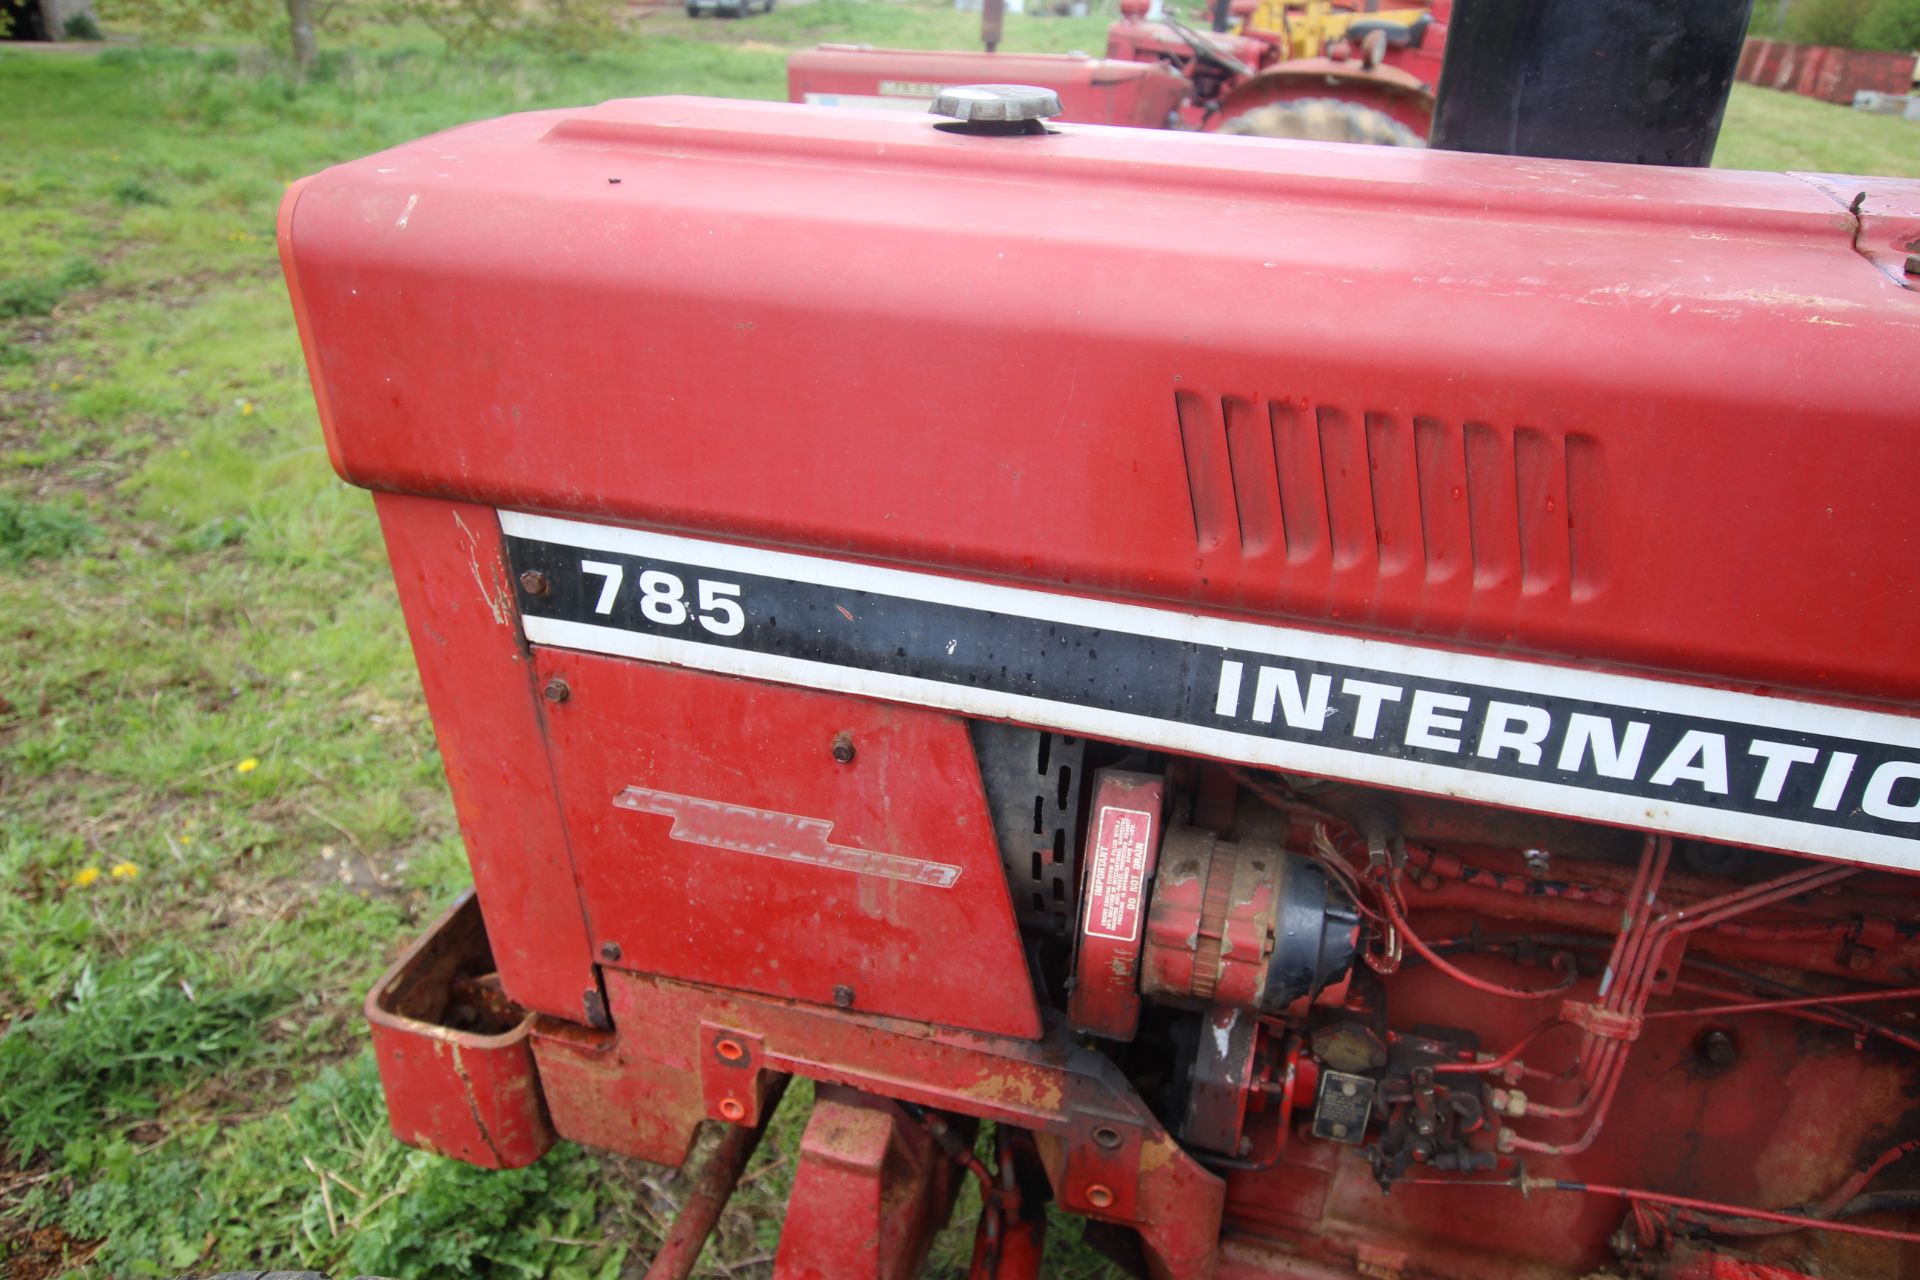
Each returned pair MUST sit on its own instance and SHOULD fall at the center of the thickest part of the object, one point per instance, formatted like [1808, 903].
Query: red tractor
[1334, 77]
[1136, 731]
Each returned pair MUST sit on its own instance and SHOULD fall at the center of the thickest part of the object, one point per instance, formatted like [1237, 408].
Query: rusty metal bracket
[733, 1078]
[1605, 1023]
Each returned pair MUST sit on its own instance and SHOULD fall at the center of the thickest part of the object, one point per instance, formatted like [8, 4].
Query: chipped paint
[497, 600]
[1037, 1095]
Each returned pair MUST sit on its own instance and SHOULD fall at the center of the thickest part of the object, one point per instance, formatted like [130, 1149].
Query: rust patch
[1037, 1094]
[1158, 1153]
[473, 1107]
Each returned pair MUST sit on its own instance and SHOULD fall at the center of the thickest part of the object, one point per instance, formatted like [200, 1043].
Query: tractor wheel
[1324, 120]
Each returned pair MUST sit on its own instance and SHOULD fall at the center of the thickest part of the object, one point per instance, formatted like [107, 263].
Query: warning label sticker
[1116, 881]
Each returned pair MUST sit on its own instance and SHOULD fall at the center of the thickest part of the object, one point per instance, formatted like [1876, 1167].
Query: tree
[575, 25]
[298, 22]
[1826, 21]
[1891, 24]
[305, 39]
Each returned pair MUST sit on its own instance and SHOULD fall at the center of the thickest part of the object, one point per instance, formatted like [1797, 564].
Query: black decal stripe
[1171, 679]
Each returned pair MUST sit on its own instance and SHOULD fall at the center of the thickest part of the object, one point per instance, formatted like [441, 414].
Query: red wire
[1732, 1211]
[1505, 1059]
[1445, 966]
[1633, 1195]
[1800, 1002]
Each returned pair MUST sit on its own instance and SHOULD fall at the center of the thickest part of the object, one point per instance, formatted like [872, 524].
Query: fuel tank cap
[996, 104]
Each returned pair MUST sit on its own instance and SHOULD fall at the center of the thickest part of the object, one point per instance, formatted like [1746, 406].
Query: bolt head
[609, 951]
[843, 747]
[557, 690]
[534, 582]
[843, 997]
[1718, 1048]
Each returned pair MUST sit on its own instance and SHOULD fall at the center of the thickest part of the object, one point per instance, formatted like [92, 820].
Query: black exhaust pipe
[1634, 81]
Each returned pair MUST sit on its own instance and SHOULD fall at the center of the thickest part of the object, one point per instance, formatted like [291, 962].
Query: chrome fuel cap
[996, 103]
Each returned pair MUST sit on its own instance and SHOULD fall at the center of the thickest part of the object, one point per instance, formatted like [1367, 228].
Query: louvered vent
[1305, 486]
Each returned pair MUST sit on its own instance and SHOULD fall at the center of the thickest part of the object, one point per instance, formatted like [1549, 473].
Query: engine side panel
[717, 839]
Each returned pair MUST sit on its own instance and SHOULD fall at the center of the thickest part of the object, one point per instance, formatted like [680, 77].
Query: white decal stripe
[1761, 711]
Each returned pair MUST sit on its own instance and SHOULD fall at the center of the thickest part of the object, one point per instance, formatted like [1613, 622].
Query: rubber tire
[1323, 120]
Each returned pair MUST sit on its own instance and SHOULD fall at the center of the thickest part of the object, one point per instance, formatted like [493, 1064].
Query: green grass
[1768, 130]
[221, 809]
[905, 26]
[29, 529]
[38, 293]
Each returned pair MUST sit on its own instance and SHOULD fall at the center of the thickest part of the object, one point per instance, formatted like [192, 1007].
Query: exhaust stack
[1634, 81]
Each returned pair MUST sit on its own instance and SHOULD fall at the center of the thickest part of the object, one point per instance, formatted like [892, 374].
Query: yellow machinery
[1309, 26]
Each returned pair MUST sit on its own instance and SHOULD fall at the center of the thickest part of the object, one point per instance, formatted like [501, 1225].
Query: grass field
[1768, 130]
[221, 809]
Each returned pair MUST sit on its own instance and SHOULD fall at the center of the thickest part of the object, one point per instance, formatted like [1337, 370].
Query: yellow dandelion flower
[246, 410]
[123, 871]
[247, 766]
[53, 386]
[86, 876]
[185, 838]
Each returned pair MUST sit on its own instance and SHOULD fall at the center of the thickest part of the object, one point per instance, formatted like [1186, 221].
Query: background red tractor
[1319, 72]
